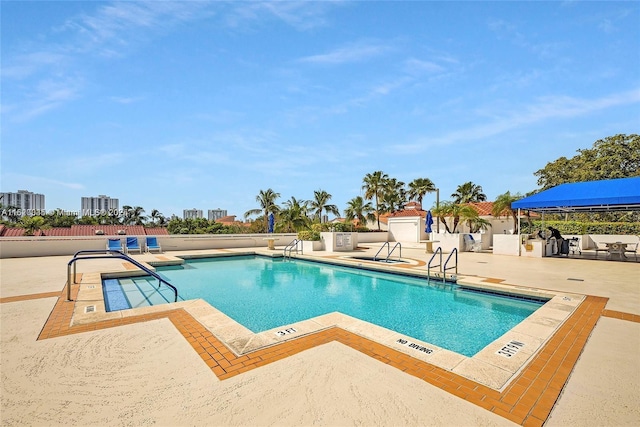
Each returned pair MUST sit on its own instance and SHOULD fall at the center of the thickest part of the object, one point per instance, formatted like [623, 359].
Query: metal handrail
[109, 254]
[444, 273]
[375, 257]
[292, 245]
[393, 249]
[438, 251]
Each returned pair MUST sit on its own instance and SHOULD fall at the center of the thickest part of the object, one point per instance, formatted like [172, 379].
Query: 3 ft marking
[415, 346]
[510, 349]
[286, 332]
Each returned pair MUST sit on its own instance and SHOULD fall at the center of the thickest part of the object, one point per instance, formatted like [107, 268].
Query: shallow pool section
[264, 293]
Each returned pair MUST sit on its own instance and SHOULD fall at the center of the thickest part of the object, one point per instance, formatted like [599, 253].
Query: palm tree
[468, 193]
[294, 216]
[157, 218]
[373, 186]
[441, 212]
[502, 206]
[320, 203]
[394, 196]
[31, 224]
[358, 209]
[267, 200]
[419, 187]
[135, 215]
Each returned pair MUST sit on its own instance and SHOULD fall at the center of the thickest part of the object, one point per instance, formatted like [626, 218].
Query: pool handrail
[437, 251]
[292, 245]
[444, 268]
[109, 254]
[389, 250]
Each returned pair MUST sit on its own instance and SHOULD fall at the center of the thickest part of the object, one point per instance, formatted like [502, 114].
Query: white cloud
[546, 108]
[355, 52]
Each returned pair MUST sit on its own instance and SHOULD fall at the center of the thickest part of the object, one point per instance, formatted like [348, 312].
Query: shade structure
[271, 223]
[622, 194]
[428, 222]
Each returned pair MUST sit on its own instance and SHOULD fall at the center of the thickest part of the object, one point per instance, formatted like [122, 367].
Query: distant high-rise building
[94, 206]
[215, 214]
[23, 202]
[192, 213]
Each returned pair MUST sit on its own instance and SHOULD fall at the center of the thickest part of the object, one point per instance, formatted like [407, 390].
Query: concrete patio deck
[144, 371]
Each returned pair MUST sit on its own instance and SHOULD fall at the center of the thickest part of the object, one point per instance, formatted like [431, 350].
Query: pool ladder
[293, 245]
[389, 250]
[443, 267]
[109, 254]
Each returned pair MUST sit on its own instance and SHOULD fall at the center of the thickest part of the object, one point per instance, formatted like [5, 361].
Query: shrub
[309, 235]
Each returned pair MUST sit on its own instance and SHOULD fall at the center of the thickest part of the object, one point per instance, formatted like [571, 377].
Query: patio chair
[132, 244]
[471, 244]
[601, 248]
[152, 244]
[634, 250]
[114, 245]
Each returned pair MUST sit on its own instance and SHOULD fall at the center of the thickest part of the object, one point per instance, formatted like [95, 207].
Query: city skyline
[171, 105]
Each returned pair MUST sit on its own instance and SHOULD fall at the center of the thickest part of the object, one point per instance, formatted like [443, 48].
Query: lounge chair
[114, 245]
[152, 244]
[132, 244]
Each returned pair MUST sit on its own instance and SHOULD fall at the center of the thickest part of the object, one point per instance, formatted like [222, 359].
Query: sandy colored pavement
[147, 374]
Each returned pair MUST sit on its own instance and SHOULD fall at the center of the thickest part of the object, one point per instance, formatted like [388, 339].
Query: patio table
[270, 241]
[616, 250]
[429, 245]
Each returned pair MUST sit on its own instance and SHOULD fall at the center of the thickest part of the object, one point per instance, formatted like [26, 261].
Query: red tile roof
[156, 231]
[408, 212]
[86, 230]
[13, 232]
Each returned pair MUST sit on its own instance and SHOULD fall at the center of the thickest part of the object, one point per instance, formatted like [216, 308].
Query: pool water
[264, 293]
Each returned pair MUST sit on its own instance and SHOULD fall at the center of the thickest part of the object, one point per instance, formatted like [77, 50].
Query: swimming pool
[264, 293]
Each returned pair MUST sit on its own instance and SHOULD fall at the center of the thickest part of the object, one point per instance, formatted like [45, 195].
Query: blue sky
[193, 104]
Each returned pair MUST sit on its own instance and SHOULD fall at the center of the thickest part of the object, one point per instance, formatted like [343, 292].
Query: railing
[444, 272]
[389, 250]
[291, 246]
[110, 254]
[438, 251]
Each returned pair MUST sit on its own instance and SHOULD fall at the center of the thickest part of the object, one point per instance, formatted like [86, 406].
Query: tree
[502, 205]
[373, 186]
[394, 195]
[441, 212]
[320, 203]
[157, 218]
[31, 224]
[293, 217]
[615, 156]
[267, 200]
[358, 209]
[419, 187]
[135, 216]
[468, 193]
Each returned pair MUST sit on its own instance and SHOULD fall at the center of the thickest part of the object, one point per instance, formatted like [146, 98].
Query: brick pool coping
[527, 400]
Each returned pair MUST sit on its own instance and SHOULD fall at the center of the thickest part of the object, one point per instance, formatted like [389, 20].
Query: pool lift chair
[132, 244]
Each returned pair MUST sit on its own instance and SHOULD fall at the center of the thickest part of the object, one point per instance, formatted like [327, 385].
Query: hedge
[580, 228]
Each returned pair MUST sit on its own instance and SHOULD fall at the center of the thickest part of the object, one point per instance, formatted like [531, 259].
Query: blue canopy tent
[622, 194]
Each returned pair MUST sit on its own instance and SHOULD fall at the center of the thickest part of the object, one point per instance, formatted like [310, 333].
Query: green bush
[580, 227]
[309, 235]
